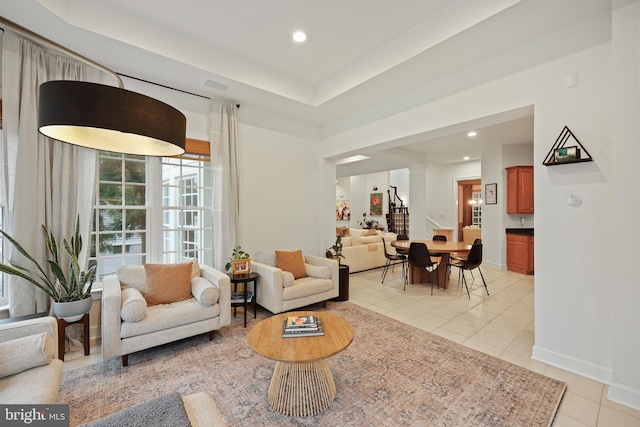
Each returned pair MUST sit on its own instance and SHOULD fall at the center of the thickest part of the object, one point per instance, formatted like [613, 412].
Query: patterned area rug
[392, 374]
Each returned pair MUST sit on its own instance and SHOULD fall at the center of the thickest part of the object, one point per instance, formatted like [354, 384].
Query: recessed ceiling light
[299, 36]
[466, 158]
[472, 133]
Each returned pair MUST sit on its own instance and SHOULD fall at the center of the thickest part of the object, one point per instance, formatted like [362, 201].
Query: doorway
[469, 204]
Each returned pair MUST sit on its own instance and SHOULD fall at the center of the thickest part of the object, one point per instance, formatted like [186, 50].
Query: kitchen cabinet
[520, 190]
[520, 251]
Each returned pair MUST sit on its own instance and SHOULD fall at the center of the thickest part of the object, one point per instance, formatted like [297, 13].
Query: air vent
[217, 86]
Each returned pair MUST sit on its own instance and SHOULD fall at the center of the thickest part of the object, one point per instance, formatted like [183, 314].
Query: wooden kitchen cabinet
[520, 190]
[520, 253]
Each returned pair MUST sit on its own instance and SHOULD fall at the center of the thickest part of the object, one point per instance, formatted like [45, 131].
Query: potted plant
[71, 293]
[367, 221]
[239, 260]
[335, 251]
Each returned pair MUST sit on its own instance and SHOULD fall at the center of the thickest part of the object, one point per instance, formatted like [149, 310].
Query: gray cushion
[24, 353]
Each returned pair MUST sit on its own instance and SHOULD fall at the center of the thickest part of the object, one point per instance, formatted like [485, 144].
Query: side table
[245, 279]
[343, 283]
[62, 324]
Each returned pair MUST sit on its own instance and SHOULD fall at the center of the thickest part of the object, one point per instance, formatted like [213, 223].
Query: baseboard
[495, 265]
[577, 366]
[624, 395]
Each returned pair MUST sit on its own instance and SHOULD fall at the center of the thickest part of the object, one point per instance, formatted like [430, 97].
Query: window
[119, 227]
[476, 207]
[187, 215]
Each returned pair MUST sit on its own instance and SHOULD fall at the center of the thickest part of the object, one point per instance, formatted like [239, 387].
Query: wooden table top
[265, 338]
[434, 246]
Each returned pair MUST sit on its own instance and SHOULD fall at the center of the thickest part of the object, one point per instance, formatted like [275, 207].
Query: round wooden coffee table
[302, 382]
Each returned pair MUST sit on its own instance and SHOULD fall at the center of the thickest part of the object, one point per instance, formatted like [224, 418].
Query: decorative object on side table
[67, 291]
[335, 251]
[367, 221]
[239, 261]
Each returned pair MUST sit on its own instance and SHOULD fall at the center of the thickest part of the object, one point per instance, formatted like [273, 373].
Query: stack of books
[302, 326]
[236, 297]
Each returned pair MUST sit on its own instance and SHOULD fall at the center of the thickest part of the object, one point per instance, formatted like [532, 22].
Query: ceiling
[363, 59]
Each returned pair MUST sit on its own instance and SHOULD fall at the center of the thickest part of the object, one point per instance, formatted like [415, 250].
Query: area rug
[392, 375]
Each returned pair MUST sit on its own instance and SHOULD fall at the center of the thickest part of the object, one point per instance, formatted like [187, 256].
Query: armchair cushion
[133, 307]
[204, 291]
[287, 279]
[167, 283]
[24, 353]
[292, 262]
[318, 271]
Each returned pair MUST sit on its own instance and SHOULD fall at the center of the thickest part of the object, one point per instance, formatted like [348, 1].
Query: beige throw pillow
[318, 271]
[24, 353]
[204, 291]
[292, 262]
[287, 279]
[167, 283]
[132, 276]
[133, 307]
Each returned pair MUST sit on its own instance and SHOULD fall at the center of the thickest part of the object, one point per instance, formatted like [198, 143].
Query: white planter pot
[72, 311]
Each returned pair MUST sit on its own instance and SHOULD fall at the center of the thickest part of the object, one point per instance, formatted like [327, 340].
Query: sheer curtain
[47, 182]
[224, 162]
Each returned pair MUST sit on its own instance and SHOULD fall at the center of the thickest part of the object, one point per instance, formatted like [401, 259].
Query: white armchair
[278, 291]
[128, 325]
[30, 371]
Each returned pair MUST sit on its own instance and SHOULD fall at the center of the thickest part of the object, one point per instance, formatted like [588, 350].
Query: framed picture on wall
[375, 204]
[491, 194]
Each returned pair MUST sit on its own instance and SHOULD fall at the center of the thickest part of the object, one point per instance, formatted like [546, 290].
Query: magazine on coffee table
[289, 331]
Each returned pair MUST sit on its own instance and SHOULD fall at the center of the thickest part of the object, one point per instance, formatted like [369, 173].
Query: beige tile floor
[500, 325]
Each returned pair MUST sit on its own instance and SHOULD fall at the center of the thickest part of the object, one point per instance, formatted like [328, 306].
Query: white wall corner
[599, 373]
[624, 395]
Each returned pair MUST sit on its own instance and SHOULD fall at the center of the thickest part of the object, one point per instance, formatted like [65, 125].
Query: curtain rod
[167, 87]
[51, 44]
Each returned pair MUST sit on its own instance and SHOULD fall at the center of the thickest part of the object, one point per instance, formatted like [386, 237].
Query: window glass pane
[135, 195]
[110, 170]
[135, 171]
[110, 219]
[136, 219]
[110, 194]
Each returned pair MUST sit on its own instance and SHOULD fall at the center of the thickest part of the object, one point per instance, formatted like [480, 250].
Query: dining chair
[402, 250]
[473, 261]
[420, 257]
[392, 260]
[455, 256]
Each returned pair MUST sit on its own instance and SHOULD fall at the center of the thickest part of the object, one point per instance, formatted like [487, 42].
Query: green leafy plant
[335, 251]
[74, 286]
[237, 253]
[367, 221]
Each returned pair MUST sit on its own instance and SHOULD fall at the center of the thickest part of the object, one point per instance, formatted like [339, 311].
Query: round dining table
[436, 248]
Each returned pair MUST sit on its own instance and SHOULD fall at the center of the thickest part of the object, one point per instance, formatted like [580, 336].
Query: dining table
[436, 248]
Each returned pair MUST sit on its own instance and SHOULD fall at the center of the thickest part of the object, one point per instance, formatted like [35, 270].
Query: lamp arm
[42, 40]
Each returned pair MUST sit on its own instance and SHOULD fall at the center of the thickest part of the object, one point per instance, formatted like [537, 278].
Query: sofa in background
[30, 372]
[470, 233]
[362, 249]
[130, 325]
[279, 290]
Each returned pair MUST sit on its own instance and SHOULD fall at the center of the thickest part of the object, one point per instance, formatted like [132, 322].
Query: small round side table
[245, 279]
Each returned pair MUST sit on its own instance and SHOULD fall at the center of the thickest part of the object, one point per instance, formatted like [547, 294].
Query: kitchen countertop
[525, 231]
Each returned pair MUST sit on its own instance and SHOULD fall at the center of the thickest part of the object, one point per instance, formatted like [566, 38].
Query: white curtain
[224, 162]
[46, 181]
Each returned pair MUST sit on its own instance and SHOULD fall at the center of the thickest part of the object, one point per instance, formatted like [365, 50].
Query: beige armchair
[278, 291]
[128, 325]
[30, 371]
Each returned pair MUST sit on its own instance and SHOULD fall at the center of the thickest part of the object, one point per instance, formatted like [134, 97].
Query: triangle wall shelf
[567, 149]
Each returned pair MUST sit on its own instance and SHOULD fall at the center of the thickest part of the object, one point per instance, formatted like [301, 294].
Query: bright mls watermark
[34, 415]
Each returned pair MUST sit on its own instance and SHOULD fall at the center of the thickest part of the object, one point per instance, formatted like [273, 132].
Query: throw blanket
[163, 411]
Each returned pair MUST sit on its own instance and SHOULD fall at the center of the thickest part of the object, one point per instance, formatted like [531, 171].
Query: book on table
[301, 323]
[308, 331]
[236, 297]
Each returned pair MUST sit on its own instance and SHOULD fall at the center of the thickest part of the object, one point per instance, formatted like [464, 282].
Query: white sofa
[362, 252]
[31, 371]
[279, 292]
[162, 323]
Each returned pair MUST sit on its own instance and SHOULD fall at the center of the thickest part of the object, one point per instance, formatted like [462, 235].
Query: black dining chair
[402, 250]
[473, 261]
[454, 256]
[392, 260]
[420, 257]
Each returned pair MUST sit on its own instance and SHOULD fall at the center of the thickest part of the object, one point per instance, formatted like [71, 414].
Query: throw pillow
[167, 283]
[372, 232]
[133, 307]
[24, 353]
[132, 276]
[204, 291]
[287, 279]
[195, 270]
[318, 271]
[292, 262]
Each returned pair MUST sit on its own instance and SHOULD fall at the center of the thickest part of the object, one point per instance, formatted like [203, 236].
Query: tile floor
[500, 325]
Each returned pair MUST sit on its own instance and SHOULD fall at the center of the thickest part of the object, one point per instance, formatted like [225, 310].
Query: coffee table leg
[301, 389]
